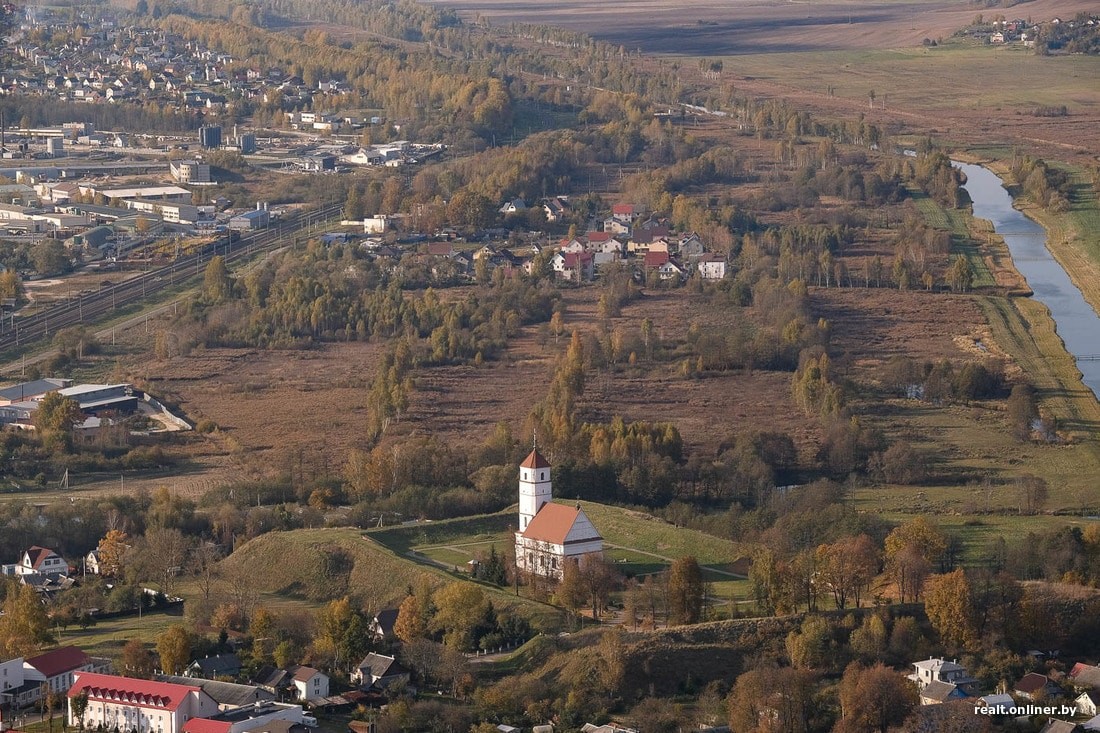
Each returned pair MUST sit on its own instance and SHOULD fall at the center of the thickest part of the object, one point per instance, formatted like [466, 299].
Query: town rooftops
[205, 725]
[145, 693]
[223, 693]
[59, 661]
[559, 524]
[535, 460]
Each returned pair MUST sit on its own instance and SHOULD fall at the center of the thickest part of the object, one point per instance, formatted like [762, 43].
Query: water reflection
[1077, 322]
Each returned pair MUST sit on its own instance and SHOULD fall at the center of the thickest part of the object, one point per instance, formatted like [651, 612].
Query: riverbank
[1073, 243]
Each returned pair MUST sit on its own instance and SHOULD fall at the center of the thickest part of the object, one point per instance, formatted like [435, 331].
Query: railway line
[20, 332]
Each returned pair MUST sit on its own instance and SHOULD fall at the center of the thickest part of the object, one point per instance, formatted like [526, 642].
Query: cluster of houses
[41, 568]
[1025, 32]
[627, 237]
[103, 61]
[941, 681]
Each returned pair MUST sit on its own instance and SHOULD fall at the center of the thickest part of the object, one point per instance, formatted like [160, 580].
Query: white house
[41, 561]
[549, 534]
[711, 267]
[15, 691]
[940, 670]
[309, 683]
[1088, 703]
[59, 667]
[124, 703]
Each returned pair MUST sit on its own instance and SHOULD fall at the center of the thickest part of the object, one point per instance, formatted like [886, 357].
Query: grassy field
[962, 242]
[107, 638]
[968, 76]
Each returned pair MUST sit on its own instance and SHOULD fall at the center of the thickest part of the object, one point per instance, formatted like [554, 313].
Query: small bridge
[1089, 357]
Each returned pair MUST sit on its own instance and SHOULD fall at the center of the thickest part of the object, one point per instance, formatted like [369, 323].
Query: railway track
[21, 332]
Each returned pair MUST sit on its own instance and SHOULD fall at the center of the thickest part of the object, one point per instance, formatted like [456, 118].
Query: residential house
[1088, 703]
[309, 683]
[940, 670]
[555, 208]
[15, 691]
[711, 266]
[41, 561]
[654, 260]
[58, 668]
[1035, 686]
[1085, 676]
[626, 213]
[936, 693]
[379, 670]
[690, 246]
[574, 267]
[125, 703]
[515, 206]
[649, 230]
[616, 226]
[381, 626]
[92, 564]
[670, 270]
[1000, 701]
[219, 665]
[572, 246]
[273, 680]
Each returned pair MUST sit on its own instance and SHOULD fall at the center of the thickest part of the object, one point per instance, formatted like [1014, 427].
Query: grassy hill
[638, 543]
[308, 567]
[318, 565]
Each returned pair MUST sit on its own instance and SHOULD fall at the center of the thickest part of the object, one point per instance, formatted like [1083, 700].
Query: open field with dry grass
[828, 57]
[717, 28]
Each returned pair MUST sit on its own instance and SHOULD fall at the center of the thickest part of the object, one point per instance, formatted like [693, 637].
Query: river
[1077, 323]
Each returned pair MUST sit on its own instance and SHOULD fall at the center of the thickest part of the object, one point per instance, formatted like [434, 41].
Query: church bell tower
[534, 487]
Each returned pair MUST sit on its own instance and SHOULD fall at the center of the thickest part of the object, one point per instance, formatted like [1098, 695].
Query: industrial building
[190, 171]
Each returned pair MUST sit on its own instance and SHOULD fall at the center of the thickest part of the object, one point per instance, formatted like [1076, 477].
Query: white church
[549, 534]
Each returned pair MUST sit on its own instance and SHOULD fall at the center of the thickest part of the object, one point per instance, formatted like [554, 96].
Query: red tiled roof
[655, 259]
[205, 725]
[59, 661]
[164, 695]
[38, 554]
[622, 209]
[440, 249]
[598, 236]
[535, 460]
[552, 523]
[1032, 682]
